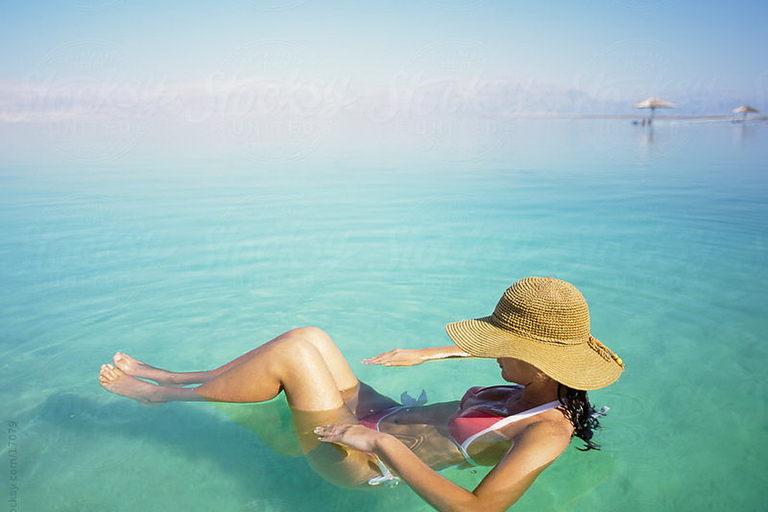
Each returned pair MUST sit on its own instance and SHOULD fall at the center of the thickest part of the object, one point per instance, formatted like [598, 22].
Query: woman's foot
[135, 368]
[117, 381]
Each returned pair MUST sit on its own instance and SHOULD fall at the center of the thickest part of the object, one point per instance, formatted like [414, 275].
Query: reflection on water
[743, 131]
[647, 136]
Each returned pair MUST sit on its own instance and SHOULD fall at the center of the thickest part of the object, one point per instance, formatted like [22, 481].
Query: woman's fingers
[355, 436]
[330, 433]
[379, 359]
[396, 357]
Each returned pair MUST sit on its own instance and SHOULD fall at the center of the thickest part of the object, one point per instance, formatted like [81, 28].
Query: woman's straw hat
[545, 322]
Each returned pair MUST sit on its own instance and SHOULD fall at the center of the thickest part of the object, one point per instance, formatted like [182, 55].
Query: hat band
[604, 351]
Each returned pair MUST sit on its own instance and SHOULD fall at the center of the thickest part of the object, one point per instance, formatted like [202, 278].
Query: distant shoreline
[739, 119]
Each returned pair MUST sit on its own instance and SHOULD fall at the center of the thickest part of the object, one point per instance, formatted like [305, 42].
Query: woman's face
[516, 370]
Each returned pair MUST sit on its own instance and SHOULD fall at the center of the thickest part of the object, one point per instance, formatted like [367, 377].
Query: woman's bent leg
[293, 364]
[290, 364]
[331, 354]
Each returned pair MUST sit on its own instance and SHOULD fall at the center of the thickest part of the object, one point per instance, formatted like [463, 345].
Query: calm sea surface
[665, 231]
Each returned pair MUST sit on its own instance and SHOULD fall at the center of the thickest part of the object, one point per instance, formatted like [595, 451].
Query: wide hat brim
[586, 365]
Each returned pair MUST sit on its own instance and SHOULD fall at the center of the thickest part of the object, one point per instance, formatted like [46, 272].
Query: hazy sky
[188, 61]
[720, 42]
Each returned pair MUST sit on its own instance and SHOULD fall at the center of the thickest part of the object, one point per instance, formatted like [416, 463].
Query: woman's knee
[309, 333]
[333, 357]
[304, 375]
[314, 335]
[294, 349]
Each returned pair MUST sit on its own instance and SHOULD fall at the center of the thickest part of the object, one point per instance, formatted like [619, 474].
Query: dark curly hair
[581, 414]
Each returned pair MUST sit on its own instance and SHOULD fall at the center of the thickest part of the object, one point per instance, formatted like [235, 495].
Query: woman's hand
[355, 436]
[414, 356]
[397, 357]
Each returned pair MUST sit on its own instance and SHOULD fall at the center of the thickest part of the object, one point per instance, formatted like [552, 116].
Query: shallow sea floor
[664, 231]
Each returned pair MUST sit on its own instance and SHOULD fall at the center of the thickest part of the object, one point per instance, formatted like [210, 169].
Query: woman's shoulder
[552, 426]
[539, 442]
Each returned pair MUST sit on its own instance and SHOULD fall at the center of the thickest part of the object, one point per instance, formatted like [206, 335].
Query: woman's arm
[414, 356]
[534, 449]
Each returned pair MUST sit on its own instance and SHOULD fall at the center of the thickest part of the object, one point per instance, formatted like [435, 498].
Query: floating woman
[353, 436]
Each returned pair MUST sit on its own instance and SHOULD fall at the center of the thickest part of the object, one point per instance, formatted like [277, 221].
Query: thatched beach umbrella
[653, 103]
[745, 109]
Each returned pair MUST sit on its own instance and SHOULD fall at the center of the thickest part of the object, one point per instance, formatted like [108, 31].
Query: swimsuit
[407, 400]
[468, 425]
[375, 419]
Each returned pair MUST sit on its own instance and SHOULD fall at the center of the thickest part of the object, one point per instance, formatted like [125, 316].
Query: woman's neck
[535, 393]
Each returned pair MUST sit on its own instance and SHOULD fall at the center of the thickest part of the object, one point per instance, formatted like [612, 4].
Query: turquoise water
[664, 231]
